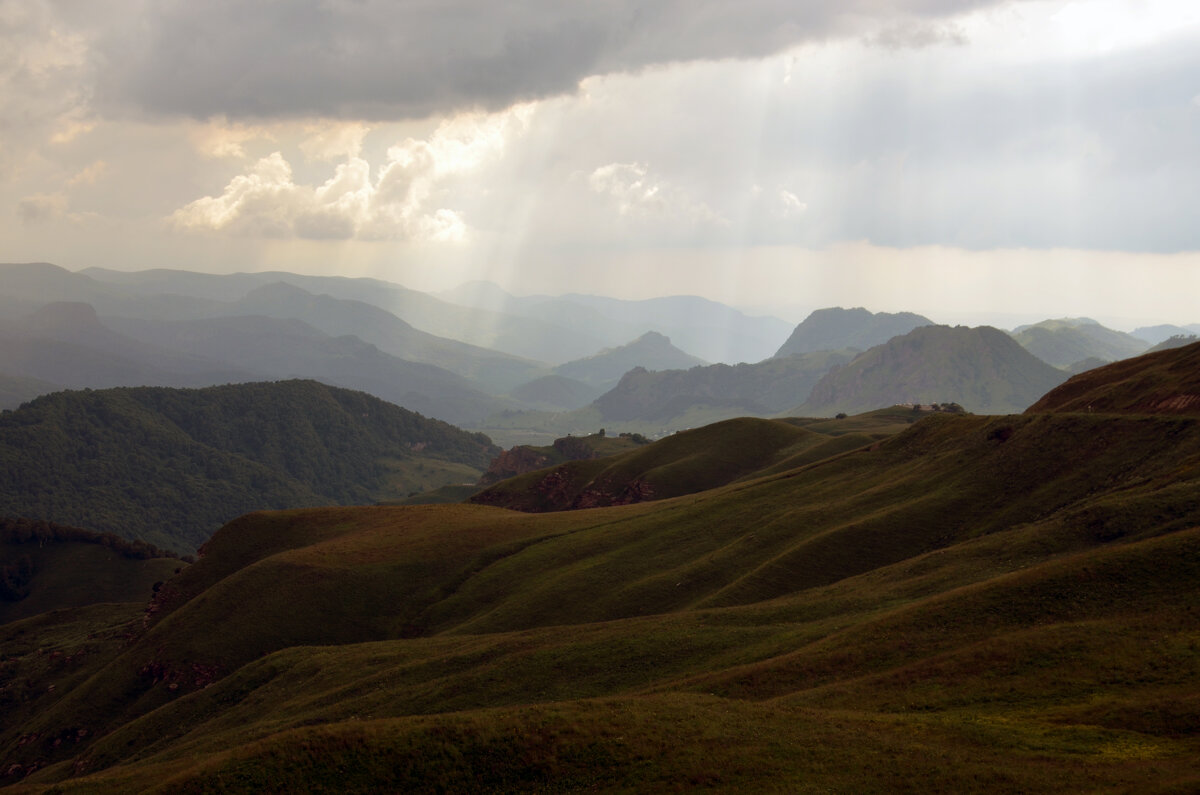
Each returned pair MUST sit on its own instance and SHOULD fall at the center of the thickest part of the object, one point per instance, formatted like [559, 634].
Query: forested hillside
[169, 466]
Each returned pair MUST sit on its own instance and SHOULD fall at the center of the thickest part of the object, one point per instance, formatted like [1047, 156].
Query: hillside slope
[963, 585]
[982, 369]
[45, 566]
[169, 466]
[1163, 382]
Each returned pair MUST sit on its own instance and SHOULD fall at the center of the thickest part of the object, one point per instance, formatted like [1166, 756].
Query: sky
[997, 161]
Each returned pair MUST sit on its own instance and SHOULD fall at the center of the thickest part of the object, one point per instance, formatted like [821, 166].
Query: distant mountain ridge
[983, 369]
[764, 388]
[1066, 341]
[703, 328]
[651, 351]
[836, 328]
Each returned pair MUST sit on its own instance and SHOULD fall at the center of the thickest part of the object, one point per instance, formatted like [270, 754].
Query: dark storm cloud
[383, 59]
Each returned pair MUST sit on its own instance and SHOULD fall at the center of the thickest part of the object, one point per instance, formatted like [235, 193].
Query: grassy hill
[45, 567]
[1066, 341]
[169, 466]
[1164, 382]
[982, 369]
[685, 463]
[973, 603]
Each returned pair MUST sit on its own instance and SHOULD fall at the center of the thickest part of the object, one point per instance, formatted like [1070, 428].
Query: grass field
[961, 603]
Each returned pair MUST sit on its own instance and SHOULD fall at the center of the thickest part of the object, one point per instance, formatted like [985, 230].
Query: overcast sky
[973, 160]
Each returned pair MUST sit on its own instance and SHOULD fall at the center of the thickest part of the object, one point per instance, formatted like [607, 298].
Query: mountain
[15, 390]
[704, 328]
[1152, 335]
[555, 392]
[1066, 341]
[169, 466]
[274, 348]
[1174, 342]
[67, 343]
[767, 387]
[45, 566]
[982, 369]
[836, 328]
[974, 604]
[1164, 382]
[519, 336]
[493, 371]
[651, 351]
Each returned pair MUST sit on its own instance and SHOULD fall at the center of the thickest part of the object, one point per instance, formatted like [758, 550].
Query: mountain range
[100, 328]
[960, 603]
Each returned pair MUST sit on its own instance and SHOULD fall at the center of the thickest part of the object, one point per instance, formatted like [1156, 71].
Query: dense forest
[169, 466]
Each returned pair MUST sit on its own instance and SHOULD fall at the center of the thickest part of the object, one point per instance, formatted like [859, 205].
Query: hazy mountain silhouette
[982, 369]
[1065, 341]
[836, 329]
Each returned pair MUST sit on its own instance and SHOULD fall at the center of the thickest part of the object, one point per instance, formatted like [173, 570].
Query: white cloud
[639, 194]
[333, 142]
[220, 139]
[401, 203]
[790, 204]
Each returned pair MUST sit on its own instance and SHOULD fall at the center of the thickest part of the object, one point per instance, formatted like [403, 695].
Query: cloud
[334, 141]
[400, 203]
[42, 207]
[89, 174]
[387, 61]
[639, 194]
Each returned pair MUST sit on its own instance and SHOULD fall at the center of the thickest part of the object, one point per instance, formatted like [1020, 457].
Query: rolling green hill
[685, 463]
[169, 466]
[1163, 382]
[973, 604]
[45, 567]
[982, 369]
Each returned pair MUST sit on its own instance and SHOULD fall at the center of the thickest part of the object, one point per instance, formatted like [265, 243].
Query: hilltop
[836, 328]
[1066, 341]
[687, 462]
[1164, 382]
[982, 369]
[651, 351]
[169, 466]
